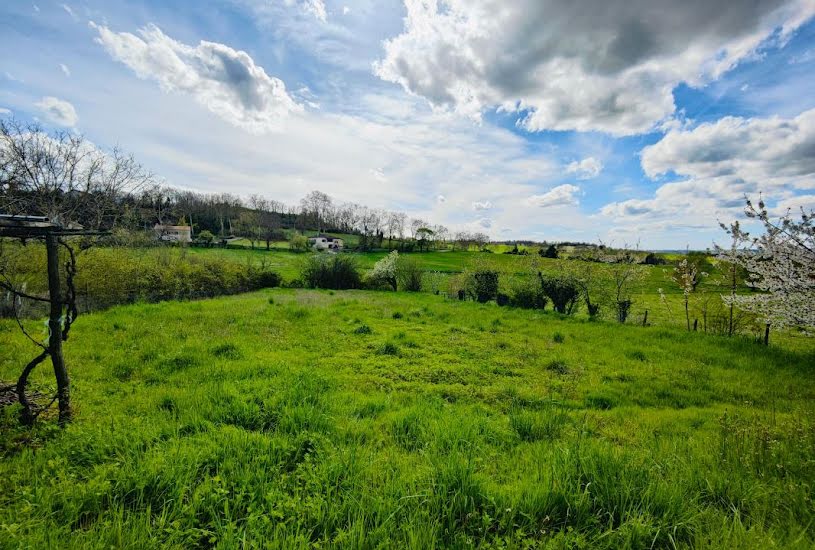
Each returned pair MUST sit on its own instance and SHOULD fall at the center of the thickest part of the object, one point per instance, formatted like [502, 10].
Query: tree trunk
[687, 313]
[55, 330]
[27, 415]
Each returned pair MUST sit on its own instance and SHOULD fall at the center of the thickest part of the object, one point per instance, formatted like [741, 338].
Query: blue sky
[531, 119]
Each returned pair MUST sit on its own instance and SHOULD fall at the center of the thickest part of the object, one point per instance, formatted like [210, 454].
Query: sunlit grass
[275, 418]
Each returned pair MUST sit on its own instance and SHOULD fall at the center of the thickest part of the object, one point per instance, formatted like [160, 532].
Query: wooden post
[55, 329]
[645, 319]
[695, 324]
[767, 335]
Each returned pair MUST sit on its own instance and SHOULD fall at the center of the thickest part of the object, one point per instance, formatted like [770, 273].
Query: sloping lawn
[363, 419]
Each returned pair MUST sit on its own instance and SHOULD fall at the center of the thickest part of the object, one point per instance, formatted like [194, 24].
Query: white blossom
[781, 263]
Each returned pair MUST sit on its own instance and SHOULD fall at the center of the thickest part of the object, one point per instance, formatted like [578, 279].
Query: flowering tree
[685, 275]
[781, 263]
[386, 270]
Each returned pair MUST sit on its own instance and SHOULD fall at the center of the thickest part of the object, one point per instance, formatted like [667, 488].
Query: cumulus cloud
[770, 151]
[585, 169]
[65, 70]
[441, 199]
[58, 111]
[224, 80]
[611, 68]
[4, 111]
[485, 205]
[562, 195]
[723, 161]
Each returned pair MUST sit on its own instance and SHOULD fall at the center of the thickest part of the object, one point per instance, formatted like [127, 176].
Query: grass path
[362, 419]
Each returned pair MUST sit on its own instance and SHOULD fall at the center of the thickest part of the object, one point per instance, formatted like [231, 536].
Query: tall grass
[241, 421]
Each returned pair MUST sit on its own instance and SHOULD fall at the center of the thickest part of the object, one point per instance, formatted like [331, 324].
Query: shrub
[502, 299]
[298, 242]
[384, 272]
[563, 290]
[362, 329]
[550, 252]
[528, 296]
[483, 285]
[332, 271]
[558, 338]
[653, 259]
[409, 274]
[263, 279]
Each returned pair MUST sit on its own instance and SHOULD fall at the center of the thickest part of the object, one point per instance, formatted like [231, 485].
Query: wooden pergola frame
[39, 227]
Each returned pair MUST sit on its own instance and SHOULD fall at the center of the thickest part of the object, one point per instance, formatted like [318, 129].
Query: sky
[623, 121]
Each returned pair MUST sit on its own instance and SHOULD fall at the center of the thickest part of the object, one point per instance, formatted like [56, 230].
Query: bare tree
[316, 204]
[63, 177]
[267, 219]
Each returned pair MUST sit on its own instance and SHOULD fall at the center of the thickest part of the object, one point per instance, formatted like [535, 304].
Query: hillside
[357, 419]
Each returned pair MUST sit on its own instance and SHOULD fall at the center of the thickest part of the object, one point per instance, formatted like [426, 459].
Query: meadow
[291, 418]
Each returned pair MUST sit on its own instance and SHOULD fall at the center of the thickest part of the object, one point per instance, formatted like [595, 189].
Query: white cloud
[69, 11]
[65, 70]
[485, 205]
[486, 223]
[378, 175]
[315, 8]
[4, 111]
[58, 111]
[441, 199]
[224, 80]
[722, 162]
[770, 152]
[36, 8]
[562, 195]
[346, 10]
[585, 169]
[564, 66]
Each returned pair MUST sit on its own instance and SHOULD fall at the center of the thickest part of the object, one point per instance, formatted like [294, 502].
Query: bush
[263, 279]
[550, 252]
[528, 296]
[563, 290]
[298, 242]
[653, 259]
[333, 271]
[409, 274]
[483, 285]
[384, 272]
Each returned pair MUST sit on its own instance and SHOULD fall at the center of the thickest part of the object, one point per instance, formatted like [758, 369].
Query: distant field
[288, 418]
[646, 297]
[668, 312]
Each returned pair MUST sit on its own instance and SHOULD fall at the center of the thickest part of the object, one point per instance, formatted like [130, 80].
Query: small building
[325, 242]
[173, 233]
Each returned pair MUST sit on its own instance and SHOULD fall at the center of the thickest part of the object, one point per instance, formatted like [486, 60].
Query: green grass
[274, 419]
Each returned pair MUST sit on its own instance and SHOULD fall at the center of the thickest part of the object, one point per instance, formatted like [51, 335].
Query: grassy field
[118, 272]
[294, 418]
